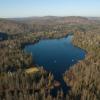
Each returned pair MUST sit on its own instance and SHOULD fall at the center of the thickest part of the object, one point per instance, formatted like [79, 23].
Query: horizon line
[46, 16]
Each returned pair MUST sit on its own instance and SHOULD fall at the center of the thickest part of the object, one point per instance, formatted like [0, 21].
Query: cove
[3, 36]
[56, 56]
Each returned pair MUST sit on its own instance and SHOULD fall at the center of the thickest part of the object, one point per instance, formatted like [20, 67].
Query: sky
[29, 8]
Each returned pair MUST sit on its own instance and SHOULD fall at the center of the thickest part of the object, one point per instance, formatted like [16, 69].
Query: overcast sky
[26, 8]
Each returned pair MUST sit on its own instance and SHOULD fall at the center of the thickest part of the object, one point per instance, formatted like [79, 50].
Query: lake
[3, 36]
[56, 56]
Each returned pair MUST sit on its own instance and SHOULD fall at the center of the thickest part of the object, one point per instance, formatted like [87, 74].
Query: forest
[16, 83]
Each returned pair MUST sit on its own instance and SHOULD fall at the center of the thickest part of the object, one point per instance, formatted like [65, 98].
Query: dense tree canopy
[82, 78]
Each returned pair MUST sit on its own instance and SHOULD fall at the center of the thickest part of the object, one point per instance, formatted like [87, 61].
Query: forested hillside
[17, 82]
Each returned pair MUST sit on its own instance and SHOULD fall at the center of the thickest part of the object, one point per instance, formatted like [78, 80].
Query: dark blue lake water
[3, 36]
[56, 56]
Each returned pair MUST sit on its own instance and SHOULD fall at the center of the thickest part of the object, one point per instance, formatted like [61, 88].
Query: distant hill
[94, 18]
[54, 19]
[34, 24]
[12, 26]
